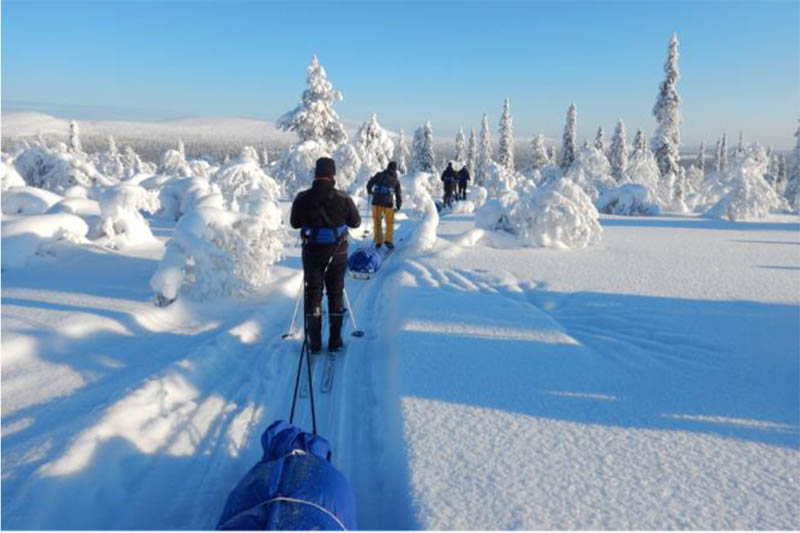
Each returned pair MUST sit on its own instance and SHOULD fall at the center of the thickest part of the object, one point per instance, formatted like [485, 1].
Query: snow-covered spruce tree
[723, 153]
[552, 154]
[461, 146]
[667, 138]
[245, 187]
[484, 158]
[74, 138]
[700, 160]
[599, 140]
[618, 153]
[773, 170]
[109, 163]
[472, 151]
[112, 146]
[739, 153]
[642, 168]
[264, 158]
[423, 158]
[314, 118]
[792, 191]
[505, 150]
[568, 139]
[401, 153]
[538, 154]
[743, 192]
[374, 145]
[182, 148]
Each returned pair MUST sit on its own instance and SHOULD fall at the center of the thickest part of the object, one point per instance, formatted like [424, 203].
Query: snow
[628, 199]
[28, 200]
[540, 379]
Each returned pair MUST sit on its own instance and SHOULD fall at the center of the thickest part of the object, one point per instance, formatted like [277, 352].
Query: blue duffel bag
[293, 487]
[365, 260]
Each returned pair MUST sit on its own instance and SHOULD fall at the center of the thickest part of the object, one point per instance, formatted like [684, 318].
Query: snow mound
[25, 237]
[179, 196]
[76, 206]
[245, 187]
[742, 193]
[121, 224]
[57, 170]
[218, 253]
[628, 199]
[559, 215]
[591, 172]
[477, 195]
[9, 177]
[28, 201]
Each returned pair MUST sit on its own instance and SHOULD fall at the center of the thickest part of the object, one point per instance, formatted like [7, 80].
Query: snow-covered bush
[558, 215]
[84, 208]
[56, 170]
[348, 164]
[296, 168]
[9, 177]
[643, 169]
[591, 171]
[218, 253]
[549, 173]
[417, 189]
[628, 199]
[121, 224]
[28, 201]
[498, 179]
[34, 235]
[179, 196]
[746, 194]
[244, 185]
[477, 195]
[174, 163]
[109, 163]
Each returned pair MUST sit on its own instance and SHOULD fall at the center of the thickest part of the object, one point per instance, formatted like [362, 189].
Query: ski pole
[356, 332]
[294, 315]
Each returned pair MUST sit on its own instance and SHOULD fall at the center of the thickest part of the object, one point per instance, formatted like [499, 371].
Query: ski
[304, 380]
[327, 375]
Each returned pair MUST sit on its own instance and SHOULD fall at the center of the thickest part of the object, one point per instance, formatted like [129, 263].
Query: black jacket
[338, 205]
[463, 176]
[449, 174]
[382, 186]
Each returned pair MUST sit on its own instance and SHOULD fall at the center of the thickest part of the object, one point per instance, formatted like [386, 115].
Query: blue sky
[411, 61]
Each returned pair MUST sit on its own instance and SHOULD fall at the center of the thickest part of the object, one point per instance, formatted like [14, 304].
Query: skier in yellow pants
[384, 187]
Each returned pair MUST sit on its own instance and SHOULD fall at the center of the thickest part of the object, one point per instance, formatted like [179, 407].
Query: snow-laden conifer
[484, 158]
[402, 154]
[461, 147]
[599, 140]
[472, 151]
[423, 158]
[314, 118]
[618, 153]
[792, 191]
[74, 138]
[667, 137]
[505, 152]
[538, 154]
[568, 139]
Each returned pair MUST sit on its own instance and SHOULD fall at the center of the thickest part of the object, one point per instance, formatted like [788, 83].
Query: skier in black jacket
[463, 178]
[449, 177]
[384, 187]
[324, 214]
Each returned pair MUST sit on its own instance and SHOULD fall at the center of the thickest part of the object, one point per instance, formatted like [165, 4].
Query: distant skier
[450, 178]
[324, 214]
[384, 187]
[463, 178]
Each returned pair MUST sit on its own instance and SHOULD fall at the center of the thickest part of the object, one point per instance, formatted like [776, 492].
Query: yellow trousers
[378, 212]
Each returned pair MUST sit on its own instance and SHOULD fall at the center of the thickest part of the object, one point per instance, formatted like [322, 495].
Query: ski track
[176, 431]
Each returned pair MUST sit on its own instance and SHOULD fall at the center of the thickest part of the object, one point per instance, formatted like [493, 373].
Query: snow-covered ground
[647, 382]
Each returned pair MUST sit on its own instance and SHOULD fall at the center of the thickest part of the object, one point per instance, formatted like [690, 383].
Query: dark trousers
[448, 194]
[315, 259]
[462, 190]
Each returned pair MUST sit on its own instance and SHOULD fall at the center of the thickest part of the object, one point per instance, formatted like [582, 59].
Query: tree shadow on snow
[674, 221]
[727, 368]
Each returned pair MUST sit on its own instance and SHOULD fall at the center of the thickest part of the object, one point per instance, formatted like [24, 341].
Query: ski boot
[389, 245]
[335, 342]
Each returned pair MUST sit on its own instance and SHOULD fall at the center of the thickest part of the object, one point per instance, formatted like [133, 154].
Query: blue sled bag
[293, 487]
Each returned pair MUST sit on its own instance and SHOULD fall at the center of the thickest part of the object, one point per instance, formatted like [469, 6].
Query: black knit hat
[326, 168]
[392, 166]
